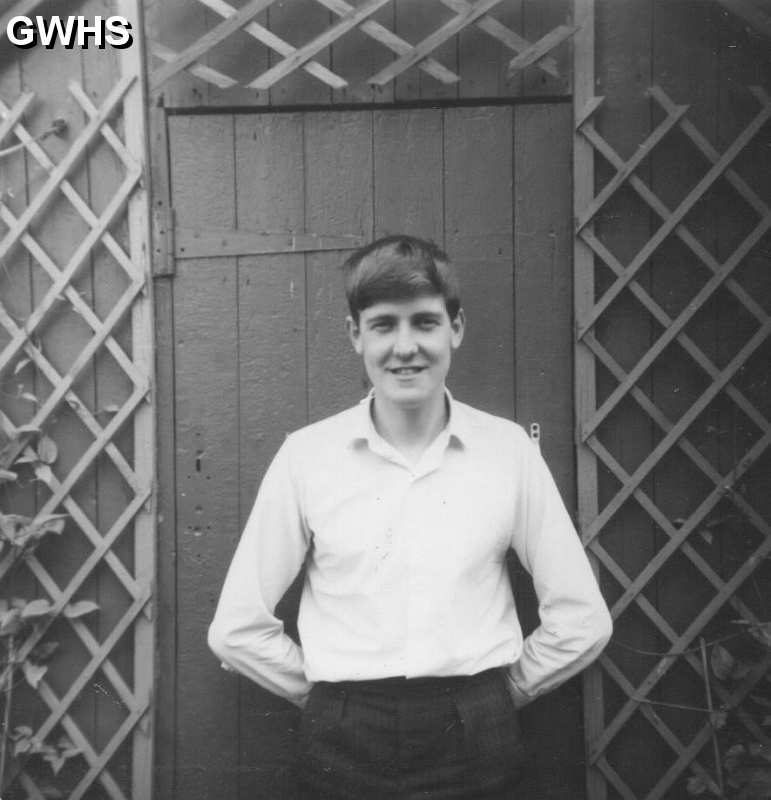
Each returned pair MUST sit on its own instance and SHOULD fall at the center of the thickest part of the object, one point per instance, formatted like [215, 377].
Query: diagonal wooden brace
[352, 19]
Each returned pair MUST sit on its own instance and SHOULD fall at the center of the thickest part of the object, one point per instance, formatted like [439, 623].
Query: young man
[412, 663]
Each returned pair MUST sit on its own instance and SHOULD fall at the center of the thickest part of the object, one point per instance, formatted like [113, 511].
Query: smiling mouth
[406, 371]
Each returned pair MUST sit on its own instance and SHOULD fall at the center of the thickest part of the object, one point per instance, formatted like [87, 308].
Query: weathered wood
[543, 348]
[408, 184]
[682, 209]
[478, 228]
[267, 37]
[199, 70]
[207, 41]
[208, 243]
[354, 63]
[300, 56]
[430, 43]
[205, 294]
[339, 193]
[539, 49]
[272, 393]
[585, 385]
[758, 18]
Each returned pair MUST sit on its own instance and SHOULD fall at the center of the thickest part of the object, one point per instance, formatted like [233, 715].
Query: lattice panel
[292, 56]
[658, 367]
[102, 449]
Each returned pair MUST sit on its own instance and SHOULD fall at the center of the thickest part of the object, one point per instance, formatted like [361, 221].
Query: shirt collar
[363, 428]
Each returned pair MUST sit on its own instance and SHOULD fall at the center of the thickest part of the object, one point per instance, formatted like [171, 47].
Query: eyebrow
[417, 316]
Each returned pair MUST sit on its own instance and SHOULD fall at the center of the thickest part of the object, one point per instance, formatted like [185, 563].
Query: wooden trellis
[118, 231]
[599, 450]
[524, 52]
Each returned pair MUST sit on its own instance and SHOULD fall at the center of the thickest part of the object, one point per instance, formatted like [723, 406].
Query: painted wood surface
[479, 55]
[270, 331]
[703, 57]
[65, 84]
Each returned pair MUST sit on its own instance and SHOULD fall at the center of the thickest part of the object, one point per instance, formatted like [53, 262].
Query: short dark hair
[398, 268]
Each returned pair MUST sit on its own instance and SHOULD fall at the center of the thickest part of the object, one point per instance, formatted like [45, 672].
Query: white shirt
[406, 570]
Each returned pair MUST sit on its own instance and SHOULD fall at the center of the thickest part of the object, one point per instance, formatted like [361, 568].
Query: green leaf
[23, 745]
[37, 608]
[43, 651]
[55, 760]
[718, 719]
[20, 366]
[722, 662]
[696, 785]
[21, 731]
[47, 450]
[33, 673]
[52, 523]
[10, 622]
[80, 609]
[8, 475]
[43, 473]
[762, 633]
[24, 429]
[30, 457]
[28, 396]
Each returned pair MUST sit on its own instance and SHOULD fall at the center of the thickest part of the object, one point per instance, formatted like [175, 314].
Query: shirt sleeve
[575, 623]
[245, 632]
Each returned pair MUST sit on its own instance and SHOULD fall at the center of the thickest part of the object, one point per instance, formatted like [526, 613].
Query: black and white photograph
[385, 399]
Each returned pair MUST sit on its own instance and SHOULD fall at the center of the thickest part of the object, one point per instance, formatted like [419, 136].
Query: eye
[427, 323]
[381, 325]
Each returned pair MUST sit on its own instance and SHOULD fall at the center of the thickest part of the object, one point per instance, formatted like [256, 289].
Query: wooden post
[135, 119]
[585, 387]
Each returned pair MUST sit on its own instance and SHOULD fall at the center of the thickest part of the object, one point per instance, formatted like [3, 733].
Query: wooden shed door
[252, 345]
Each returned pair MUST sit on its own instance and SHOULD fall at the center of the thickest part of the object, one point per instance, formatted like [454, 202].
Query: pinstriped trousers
[422, 739]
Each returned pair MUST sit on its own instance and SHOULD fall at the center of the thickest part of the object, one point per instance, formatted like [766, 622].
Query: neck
[410, 429]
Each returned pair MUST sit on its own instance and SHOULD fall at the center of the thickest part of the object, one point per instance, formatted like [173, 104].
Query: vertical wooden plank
[298, 23]
[166, 588]
[478, 238]
[101, 70]
[205, 294]
[543, 336]
[272, 392]
[408, 186]
[143, 350]
[415, 20]
[339, 202]
[585, 378]
[742, 63]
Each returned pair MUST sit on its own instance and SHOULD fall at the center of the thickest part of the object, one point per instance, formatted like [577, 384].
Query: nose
[405, 345]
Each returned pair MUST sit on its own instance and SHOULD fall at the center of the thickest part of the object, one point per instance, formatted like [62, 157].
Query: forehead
[409, 307]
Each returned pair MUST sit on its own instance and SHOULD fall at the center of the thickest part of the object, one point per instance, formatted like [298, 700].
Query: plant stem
[708, 687]
[8, 689]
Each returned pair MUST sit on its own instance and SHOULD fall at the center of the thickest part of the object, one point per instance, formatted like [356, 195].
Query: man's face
[406, 346]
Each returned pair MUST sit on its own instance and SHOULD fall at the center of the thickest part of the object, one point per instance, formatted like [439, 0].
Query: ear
[458, 327]
[354, 333]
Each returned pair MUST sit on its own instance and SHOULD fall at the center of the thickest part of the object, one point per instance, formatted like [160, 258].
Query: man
[412, 664]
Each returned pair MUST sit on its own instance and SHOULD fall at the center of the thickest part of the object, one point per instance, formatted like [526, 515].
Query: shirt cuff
[518, 697]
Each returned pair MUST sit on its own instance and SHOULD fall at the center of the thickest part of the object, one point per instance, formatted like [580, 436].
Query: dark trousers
[432, 738]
